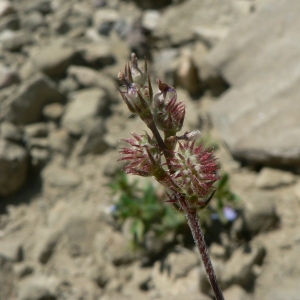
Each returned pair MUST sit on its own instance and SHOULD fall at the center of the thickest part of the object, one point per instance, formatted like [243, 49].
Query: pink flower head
[143, 156]
[195, 170]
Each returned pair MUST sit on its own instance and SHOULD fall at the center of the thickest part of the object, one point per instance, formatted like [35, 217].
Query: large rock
[259, 117]
[13, 167]
[191, 14]
[86, 106]
[26, 104]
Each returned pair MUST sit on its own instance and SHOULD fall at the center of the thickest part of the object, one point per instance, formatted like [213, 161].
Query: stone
[258, 118]
[13, 167]
[6, 8]
[46, 245]
[42, 6]
[93, 141]
[98, 55]
[36, 130]
[54, 59]
[8, 77]
[25, 105]
[210, 36]
[105, 15]
[39, 157]
[53, 111]
[11, 22]
[38, 288]
[33, 21]
[187, 74]
[86, 106]
[235, 292]
[60, 141]
[57, 176]
[259, 215]
[271, 178]
[239, 268]
[11, 249]
[14, 40]
[194, 13]
[150, 19]
[23, 269]
[10, 132]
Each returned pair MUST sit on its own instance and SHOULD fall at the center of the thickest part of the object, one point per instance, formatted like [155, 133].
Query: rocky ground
[235, 65]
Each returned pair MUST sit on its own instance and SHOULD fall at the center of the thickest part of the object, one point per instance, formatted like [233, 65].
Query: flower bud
[168, 113]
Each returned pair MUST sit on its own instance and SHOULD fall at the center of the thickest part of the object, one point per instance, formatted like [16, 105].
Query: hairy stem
[196, 230]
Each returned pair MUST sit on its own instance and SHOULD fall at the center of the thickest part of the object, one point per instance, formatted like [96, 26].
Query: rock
[36, 130]
[10, 132]
[187, 74]
[47, 245]
[181, 262]
[86, 106]
[210, 36]
[54, 59]
[150, 19]
[26, 104]
[57, 176]
[87, 77]
[217, 251]
[8, 77]
[23, 269]
[257, 106]
[93, 140]
[14, 40]
[235, 292]
[13, 167]
[271, 178]
[38, 288]
[259, 215]
[42, 6]
[53, 111]
[239, 268]
[105, 15]
[6, 8]
[39, 157]
[11, 249]
[60, 141]
[68, 85]
[32, 21]
[98, 55]
[113, 247]
[191, 14]
[11, 22]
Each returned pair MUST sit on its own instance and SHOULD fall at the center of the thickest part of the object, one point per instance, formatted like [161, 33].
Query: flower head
[143, 156]
[195, 170]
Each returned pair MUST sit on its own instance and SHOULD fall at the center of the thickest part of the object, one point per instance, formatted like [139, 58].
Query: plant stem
[196, 230]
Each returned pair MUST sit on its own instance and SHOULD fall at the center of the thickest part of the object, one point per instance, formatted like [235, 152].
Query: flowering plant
[186, 170]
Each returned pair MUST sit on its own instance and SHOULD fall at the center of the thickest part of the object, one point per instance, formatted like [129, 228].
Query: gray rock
[259, 215]
[38, 288]
[60, 141]
[23, 269]
[36, 130]
[150, 19]
[210, 36]
[271, 178]
[239, 268]
[10, 132]
[192, 13]
[98, 55]
[8, 77]
[6, 8]
[68, 85]
[11, 249]
[42, 6]
[14, 40]
[258, 118]
[32, 21]
[11, 22]
[93, 140]
[53, 111]
[235, 292]
[39, 157]
[54, 59]
[57, 176]
[105, 15]
[13, 167]
[26, 104]
[86, 106]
